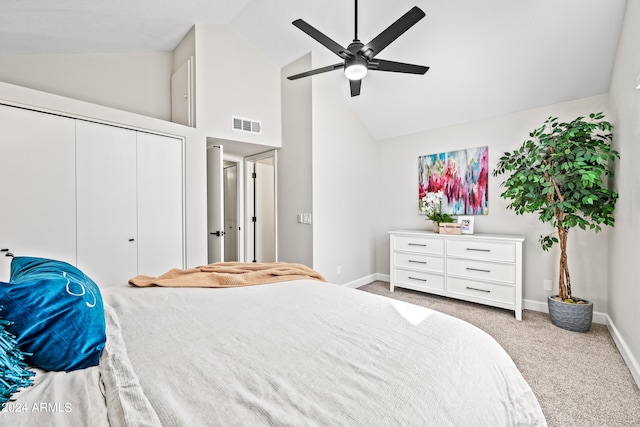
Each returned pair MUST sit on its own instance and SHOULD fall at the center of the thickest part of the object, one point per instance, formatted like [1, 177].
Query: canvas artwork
[463, 178]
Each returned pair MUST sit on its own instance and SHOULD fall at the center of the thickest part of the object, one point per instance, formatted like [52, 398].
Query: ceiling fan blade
[316, 71]
[322, 39]
[354, 85]
[397, 67]
[394, 31]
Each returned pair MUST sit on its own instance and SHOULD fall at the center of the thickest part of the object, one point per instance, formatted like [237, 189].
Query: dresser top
[511, 237]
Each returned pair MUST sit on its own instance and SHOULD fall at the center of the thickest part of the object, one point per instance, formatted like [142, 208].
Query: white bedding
[101, 396]
[58, 399]
[300, 353]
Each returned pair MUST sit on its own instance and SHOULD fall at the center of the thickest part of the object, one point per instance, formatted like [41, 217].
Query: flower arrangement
[432, 207]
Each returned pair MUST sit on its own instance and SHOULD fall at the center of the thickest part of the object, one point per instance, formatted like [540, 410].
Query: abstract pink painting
[462, 176]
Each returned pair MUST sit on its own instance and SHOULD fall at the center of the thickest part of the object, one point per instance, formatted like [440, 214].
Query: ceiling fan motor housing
[355, 65]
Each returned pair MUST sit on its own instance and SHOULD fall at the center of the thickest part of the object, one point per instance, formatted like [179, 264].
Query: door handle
[217, 233]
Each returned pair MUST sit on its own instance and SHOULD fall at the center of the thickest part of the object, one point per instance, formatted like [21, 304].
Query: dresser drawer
[419, 279]
[504, 294]
[487, 250]
[420, 244]
[418, 262]
[494, 272]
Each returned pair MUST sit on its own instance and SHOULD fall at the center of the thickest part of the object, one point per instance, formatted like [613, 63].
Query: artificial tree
[560, 173]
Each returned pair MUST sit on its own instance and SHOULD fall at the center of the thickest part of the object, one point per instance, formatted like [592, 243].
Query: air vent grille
[246, 125]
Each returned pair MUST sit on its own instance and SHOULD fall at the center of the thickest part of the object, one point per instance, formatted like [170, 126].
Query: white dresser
[482, 268]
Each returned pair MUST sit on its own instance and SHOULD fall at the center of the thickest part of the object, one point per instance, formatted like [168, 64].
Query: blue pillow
[57, 313]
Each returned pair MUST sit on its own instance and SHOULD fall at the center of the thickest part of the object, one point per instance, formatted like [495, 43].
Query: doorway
[235, 198]
[261, 212]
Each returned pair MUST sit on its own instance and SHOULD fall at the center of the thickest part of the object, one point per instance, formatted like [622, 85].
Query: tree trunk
[564, 281]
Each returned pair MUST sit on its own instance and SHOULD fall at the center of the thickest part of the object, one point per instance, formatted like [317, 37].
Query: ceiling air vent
[245, 125]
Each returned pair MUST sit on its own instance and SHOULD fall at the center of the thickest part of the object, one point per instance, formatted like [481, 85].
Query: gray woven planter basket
[572, 317]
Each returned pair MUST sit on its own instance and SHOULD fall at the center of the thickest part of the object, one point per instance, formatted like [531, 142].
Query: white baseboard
[383, 277]
[630, 360]
[362, 281]
[600, 318]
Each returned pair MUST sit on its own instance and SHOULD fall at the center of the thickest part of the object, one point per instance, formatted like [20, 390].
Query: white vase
[436, 227]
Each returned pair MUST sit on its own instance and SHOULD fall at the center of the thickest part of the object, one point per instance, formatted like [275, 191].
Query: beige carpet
[580, 379]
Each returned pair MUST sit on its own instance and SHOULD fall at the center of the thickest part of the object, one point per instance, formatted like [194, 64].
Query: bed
[293, 352]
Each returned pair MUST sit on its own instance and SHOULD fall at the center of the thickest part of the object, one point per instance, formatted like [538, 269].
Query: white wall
[624, 292]
[185, 50]
[344, 184]
[295, 240]
[135, 82]
[235, 79]
[326, 167]
[397, 201]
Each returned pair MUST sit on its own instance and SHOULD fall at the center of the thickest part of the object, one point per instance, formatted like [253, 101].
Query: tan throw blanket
[228, 275]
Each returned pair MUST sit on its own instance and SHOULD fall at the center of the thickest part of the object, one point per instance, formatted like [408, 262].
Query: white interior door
[37, 186]
[106, 202]
[261, 213]
[231, 212]
[265, 210]
[160, 204]
[181, 95]
[215, 204]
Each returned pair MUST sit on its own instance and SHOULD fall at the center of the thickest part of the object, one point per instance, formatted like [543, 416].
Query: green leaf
[576, 156]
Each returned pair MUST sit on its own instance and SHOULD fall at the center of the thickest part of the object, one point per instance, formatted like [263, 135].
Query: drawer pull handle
[417, 278]
[417, 262]
[418, 244]
[479, 290]
[479, 250]
[478, 269]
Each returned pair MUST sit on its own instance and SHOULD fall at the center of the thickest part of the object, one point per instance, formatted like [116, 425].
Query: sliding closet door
[106, 202]
[160, 202]
[37, 186]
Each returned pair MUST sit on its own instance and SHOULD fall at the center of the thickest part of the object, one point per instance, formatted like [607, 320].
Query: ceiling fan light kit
[358, 58]
[355, 68]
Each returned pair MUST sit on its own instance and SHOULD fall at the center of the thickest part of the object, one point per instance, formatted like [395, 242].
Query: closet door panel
[160, 202]
[37, 186]
[106, 202]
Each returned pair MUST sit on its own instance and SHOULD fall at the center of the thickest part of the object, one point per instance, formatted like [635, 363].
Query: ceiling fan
[358, 58]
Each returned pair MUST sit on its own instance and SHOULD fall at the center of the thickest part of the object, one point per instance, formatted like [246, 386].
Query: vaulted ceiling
[487, 57]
